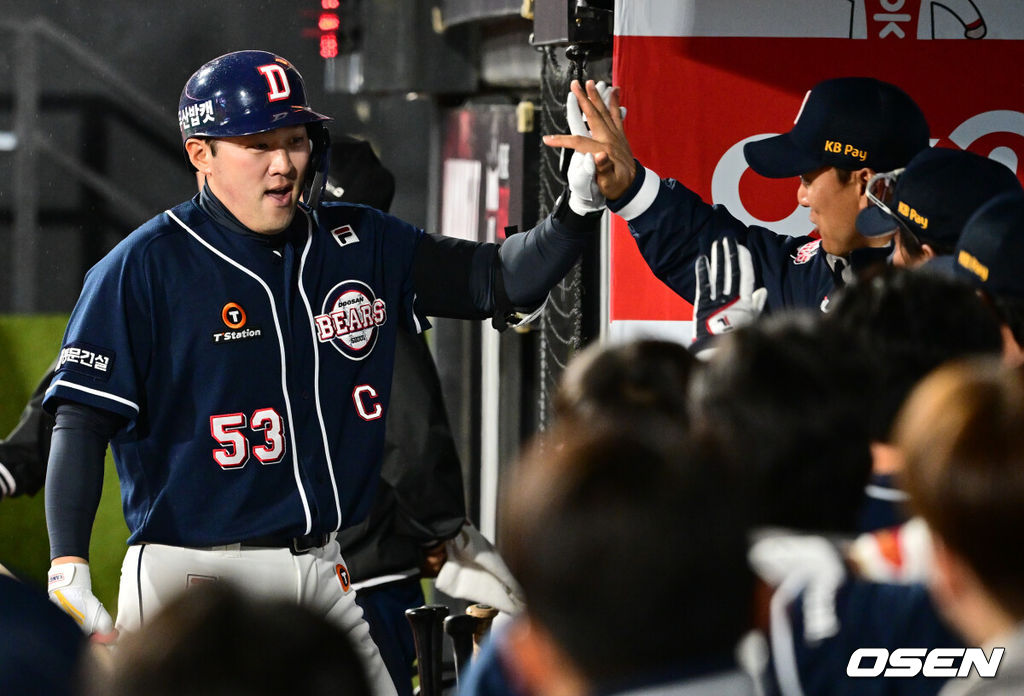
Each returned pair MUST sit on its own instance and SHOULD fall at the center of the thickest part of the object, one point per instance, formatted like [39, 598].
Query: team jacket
[672, 226]
[821, 613]
[255, 380]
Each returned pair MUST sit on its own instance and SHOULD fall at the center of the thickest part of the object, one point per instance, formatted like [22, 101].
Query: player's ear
[928, 252]
[862, 177]
[199, 153]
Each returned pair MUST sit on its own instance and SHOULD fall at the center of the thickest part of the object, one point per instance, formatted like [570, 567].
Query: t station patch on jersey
[351, 318]
[343, 577]
[235, 320]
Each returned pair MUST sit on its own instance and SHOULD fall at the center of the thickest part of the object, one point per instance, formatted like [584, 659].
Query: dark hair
[844, 175]
[962, 432]
[214, 641]
[784, 397]
[595, 517]
[913, 245]
[1010, 311]
[906, 323]
[627, 381]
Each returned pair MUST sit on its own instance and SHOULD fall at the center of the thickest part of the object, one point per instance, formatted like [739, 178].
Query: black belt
[297, 545]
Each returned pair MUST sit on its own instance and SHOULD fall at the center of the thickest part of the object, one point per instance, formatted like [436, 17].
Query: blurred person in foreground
[213, 640]
[584, 515]
[604, 386]
[962, 433]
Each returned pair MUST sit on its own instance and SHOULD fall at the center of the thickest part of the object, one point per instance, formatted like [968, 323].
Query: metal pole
[24, 258]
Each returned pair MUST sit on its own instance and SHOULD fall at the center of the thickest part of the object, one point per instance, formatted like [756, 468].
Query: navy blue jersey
[254, 378]
[672, 226]
[868, 615]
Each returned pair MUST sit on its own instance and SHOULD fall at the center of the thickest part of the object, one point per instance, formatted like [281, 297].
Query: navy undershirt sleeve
[534, 262]
[74, 476]
[467, 280]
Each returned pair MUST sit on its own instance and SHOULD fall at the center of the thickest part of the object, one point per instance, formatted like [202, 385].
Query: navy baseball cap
[937, 193]
[846, 122]
[990, 253]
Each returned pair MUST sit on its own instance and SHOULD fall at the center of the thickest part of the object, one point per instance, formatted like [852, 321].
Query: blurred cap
[990, 253]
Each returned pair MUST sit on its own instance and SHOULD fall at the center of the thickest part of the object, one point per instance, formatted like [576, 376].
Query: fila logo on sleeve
[277, 79]
[344, 235]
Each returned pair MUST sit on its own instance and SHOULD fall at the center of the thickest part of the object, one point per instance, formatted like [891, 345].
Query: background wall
[155, 47]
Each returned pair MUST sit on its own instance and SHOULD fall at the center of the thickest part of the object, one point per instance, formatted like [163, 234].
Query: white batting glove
[584, 194]
[725, 297]
[801, 564]
[70, 588]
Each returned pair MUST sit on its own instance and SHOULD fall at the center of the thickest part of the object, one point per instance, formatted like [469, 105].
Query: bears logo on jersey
[806, 252]
[351, 318]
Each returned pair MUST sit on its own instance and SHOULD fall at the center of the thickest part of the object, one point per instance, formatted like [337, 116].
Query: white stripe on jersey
[643, 198]
[280, 343]
[95, 392]
[316, 368]
[416, 318]
[7, 485]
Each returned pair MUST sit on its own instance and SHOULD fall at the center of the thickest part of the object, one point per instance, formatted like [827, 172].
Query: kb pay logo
[909, 662]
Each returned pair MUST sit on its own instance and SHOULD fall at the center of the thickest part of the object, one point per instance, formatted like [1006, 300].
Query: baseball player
[989, 255]
[847, 130]
[928, 203]
[236, 352]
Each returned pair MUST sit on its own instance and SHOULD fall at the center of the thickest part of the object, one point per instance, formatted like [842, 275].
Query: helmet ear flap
[319, 161]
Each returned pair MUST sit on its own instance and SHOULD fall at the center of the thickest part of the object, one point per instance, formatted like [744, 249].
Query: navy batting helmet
[248, 92]
[242, 93]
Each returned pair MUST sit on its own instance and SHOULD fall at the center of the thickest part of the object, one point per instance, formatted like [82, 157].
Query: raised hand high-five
[614, 166]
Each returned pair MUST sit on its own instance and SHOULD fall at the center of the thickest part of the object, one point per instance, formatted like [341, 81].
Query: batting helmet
[248, 92]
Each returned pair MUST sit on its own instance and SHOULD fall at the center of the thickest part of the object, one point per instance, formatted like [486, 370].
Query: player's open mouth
[281, 195]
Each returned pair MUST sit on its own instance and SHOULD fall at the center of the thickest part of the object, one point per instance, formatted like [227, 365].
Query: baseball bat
[426, 633]
[485, 613]
[460, 628]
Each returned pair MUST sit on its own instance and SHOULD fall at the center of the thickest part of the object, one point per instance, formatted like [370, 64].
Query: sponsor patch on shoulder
[806, 252]
[344, 235]
[86, 359]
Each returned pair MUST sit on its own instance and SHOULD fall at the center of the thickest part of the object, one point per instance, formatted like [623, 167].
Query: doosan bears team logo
[351, 318]
[806, 252]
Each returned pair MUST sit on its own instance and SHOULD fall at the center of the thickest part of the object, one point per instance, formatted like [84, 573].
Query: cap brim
[875, 222]
[778, 157]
